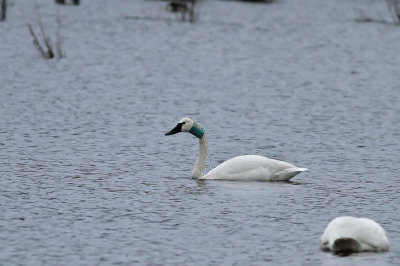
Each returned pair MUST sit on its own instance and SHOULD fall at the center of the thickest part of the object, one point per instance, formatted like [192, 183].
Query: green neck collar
[197, 130]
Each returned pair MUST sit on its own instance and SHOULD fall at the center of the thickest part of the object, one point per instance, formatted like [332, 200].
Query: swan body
[253, 167]
[350, 234]
[240, 168]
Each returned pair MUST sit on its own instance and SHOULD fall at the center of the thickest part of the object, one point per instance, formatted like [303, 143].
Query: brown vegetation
[394, 9]
[184, 7]
[44, 44]
[3, 10]
[68, 2]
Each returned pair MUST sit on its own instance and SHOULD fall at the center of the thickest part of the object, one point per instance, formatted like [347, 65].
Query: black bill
[175, 130]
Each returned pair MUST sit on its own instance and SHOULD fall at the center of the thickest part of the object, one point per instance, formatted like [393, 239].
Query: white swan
[349, 234]
[245, 167]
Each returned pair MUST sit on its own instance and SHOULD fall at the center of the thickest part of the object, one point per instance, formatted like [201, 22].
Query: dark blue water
[88, 178]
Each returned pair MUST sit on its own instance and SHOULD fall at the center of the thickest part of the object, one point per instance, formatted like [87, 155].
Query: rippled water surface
[88, 178]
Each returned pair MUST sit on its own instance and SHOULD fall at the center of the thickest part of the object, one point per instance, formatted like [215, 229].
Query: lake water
[87, 176]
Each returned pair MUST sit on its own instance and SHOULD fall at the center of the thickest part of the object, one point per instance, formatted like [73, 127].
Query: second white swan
[245, 167]
[348, 234]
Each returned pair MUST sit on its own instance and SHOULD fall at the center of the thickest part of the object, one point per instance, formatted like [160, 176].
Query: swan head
[187, 125]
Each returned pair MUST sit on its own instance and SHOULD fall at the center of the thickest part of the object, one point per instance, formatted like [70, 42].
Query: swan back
[350, 234]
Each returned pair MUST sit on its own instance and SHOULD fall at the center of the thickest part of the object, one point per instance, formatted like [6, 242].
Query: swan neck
[201, 158]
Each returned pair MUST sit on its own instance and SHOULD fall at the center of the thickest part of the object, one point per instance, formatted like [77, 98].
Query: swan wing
[253, 167]
[287, 173]
[371, 235]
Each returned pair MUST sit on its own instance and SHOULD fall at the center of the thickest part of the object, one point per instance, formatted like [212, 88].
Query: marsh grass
[68, 2]
[186, 8]
[394, 9]
[44, 44]
[3, 10]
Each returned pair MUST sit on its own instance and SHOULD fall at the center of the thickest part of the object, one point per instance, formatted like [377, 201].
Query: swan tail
[287, 174]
